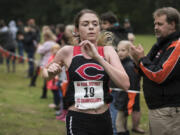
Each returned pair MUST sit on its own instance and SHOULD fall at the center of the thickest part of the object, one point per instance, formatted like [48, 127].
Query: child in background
[44, 49]
[124, 101]
[62, 84]
[136, 114]
[52, 84]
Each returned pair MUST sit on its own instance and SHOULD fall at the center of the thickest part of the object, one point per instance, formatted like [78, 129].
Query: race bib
[88, 94]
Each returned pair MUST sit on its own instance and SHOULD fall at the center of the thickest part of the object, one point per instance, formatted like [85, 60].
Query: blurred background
[139, 12]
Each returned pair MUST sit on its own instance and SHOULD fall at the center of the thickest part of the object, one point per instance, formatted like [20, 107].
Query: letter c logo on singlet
[81, 71]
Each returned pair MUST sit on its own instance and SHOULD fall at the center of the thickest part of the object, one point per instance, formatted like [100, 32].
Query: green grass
[22, 112]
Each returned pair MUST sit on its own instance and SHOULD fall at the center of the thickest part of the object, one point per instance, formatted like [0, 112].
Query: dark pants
[30, 63]
[34, 77]
[1, 59]
[56, 97]
[11, 58]
[44, 90]
[20, 49]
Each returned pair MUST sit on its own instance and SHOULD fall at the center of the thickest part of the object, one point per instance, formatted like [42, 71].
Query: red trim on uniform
[167, 67]
[101, 50]
[77, 50]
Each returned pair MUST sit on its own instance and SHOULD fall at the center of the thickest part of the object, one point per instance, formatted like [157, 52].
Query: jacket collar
[172, 37]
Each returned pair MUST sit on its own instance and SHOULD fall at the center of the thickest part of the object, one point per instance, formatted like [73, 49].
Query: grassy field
[22, 112]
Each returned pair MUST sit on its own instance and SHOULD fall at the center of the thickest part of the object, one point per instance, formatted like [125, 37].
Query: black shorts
[136, 106]
[122, 99]
[78, 123]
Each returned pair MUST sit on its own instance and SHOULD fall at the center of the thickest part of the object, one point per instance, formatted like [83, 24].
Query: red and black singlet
[83, 70]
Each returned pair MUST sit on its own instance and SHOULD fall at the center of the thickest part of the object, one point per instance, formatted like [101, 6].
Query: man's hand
[137, 52]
